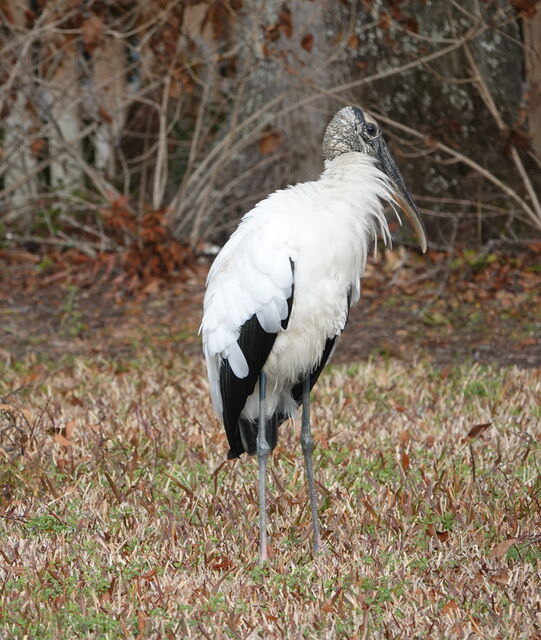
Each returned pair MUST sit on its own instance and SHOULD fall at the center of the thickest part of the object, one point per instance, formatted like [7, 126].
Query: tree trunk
[20, 179]
[272, 136]
[63, 97]
[532, 41]
[110, 100]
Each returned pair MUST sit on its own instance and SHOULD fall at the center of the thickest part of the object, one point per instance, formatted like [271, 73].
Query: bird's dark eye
[371, 129]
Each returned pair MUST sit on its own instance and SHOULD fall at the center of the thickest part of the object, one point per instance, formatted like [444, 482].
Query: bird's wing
[330, 345]
[248, 302]
[328, 350]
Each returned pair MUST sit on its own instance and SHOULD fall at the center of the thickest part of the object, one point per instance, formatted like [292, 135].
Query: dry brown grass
[120, 518]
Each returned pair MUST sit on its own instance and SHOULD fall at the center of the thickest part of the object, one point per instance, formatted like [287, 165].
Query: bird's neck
[355, 180]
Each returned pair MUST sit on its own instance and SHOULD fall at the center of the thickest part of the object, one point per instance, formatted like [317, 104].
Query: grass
[120, 518]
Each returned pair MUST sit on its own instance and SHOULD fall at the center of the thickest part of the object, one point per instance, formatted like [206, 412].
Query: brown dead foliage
[120, 517]
[149, 254]
[142, 258]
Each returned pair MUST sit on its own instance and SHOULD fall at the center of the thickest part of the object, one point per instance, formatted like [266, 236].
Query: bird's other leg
[263, 449]
[307, 449]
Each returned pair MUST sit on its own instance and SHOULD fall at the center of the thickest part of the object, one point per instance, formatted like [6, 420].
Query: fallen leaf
[434, 319]
[141, 621]
[217, 16]
[307, 42]
[149, 574]
[104, 115]
[385, 21]
[499, 551]
[285, 22]
[527, 8]
[222, 563]
[353, 41]
[477, 430]
[37, 145]
[449, 607]
[153, 286]
[370, 509]
[175, 89]
[91, 30]
[405, 461]
[62, 440]
[270, 142]
[69, 429]
[431, 531]
[500, 577]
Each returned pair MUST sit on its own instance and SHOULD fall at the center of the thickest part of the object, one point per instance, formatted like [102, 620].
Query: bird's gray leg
[307, 449]
[262, 455]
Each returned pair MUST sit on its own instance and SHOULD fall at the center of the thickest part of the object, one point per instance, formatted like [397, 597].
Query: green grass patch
[122, 519]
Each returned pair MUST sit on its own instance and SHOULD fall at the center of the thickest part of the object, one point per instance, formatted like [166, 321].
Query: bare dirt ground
[483, 307]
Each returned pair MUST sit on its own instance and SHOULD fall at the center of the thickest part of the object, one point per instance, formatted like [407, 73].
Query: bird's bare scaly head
[351, 130]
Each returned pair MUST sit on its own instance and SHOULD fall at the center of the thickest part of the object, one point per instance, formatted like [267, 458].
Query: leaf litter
[120, 517]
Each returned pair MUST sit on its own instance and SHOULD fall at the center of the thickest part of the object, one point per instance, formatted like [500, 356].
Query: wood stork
[278, 293]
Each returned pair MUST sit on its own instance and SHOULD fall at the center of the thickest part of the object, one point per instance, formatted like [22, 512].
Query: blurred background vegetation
[124, 122]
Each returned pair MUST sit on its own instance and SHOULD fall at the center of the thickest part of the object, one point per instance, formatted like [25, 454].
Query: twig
[160, 170]
[485, 94]
[465, 160]
[215, 158]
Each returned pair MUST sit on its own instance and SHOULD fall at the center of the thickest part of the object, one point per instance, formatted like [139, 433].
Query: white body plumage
[324, 229]
[279, 292]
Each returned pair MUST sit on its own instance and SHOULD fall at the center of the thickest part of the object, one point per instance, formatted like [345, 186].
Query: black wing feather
[330, 343]
[296, 392]
[250, 429]
[256, 345]
[276, 420]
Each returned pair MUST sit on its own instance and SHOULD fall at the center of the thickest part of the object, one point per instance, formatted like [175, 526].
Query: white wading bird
[279, 292]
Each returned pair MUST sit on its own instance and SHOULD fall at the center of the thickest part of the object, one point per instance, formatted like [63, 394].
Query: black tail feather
[245, 437]
[248, 434]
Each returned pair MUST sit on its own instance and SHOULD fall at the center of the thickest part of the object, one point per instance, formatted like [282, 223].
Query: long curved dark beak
[402, 195]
